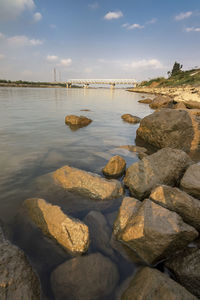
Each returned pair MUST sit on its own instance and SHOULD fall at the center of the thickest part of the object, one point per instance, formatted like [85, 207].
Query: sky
[136, 39]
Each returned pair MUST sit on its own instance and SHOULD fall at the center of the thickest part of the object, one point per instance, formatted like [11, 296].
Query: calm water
[35, 141]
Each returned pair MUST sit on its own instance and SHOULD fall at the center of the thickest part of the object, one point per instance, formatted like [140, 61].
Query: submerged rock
[88, 184]
[150, 284]
[70, 233]
[190, 182]
[77, 121]
[163, 167]
[92, 277]
[146, 101]
[115, 167]
[180, 202]
[154, 232]
[130, 118]
[170, 128]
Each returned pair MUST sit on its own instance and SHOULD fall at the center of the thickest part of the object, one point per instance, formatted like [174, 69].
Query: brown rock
[163, 167]
[180, 202]
[180, 105]
[91, 277]
[130, 118]
[155, 232]
[160, 101]
[133, 148]
[70, 233]
[170, 128]
[190, 182]
[150, 284]
[146, 101]
[115, 167]
[88, 184]
[192, 104]
[77, 121]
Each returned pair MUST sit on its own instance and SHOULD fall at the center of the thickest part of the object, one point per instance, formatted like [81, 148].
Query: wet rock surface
[130, 118]
[154, 232]
[163, 167]
[170, 128]
[70, 233]
[180, 202]
[91, 277]
[146, 101]
[150, 284]
[115, 167]
[76, 122]
[190, 182]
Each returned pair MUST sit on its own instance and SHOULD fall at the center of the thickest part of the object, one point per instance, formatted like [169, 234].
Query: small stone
[146, 101]
[115, 167]
[130, 118]
[77, 121]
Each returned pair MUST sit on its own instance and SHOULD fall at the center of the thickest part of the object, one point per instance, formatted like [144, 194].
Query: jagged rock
[17, 278]
[146, 101]
[115, 167]
[160, 101]
[141, 155]
[91, 277]
[190, 182]
[180, 202]
[150, 284]
[186, 268]
[155, 232]
[100, 232]
[166, 166]
[130, 118]
[170, 128]
[88, 184]
[192, 104]
[180, 105]
[70, 233]
[76, 122]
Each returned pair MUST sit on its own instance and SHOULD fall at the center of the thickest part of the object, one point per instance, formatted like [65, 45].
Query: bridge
[111, 82]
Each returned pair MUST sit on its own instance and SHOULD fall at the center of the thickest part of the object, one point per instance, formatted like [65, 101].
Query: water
[35, 141]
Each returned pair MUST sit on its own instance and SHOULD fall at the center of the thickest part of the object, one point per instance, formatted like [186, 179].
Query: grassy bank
[21, 83]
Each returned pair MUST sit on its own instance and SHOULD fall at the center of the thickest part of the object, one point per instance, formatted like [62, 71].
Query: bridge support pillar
[68, 85]
[86, 86]
[112, 85]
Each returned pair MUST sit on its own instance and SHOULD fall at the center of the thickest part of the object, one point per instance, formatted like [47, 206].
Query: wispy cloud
[22, 40]
[146, 63]
[183, 15]
[113, 15]
[52, 58]
[135, 26]
[37, 17]
[10, 9]
[93, 5]
[129, 26]
[65, 62]
[192, 29]
[152, 21]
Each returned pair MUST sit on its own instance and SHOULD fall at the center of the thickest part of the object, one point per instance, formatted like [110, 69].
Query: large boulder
[70, 233]
[77, 121]
[130, 118]
[155, 232]
[91, 277]
[161, 101]
[88, 184]
[170, 128]
[185, 266]
[163, 167]
[180, 202]
[192, 104]
[17, 278]
[115, 167]
[190, 182]
[150, 284]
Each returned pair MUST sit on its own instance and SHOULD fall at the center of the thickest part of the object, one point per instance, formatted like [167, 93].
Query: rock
[163, 167]
[92, 277]
[186, 268]
[70, 233]
[133, 148]
[115, 167]
[88, 184]
[141, 155]
[17, 278]
[180, 202]
[150, 284]
[85, 109]
[100, 232]
[76, 121]
[146, 101]
[155, 232]
[170, 128]
[192, 104]
[180, 105]
[130, 118]
[127, 210]
[160, 101]
[190, 182]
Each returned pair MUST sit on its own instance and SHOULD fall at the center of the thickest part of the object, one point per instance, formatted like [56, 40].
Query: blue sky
[97, 39]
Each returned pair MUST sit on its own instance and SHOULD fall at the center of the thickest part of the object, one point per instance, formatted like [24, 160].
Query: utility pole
[59, 76]
[55, 74]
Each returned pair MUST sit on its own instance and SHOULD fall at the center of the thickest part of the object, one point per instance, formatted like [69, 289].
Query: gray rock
[180, 202]
[92, 277]
[160, 101]
[150, 284]
[115, 167]
[155, 233]
[190, 182]
[163, 167]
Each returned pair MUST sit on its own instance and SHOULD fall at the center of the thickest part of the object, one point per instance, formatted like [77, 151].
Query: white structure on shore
[111, 82]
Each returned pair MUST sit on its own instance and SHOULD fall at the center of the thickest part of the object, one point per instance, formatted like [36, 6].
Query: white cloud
[2, 56]
[135, 26]
[113, 15]
[37, 17]
[183, 15]
[10, 9]
[52, 58]
[146, 63]
[152, 21]
[125, 25]
[93, 5]
[22, 40]
[65, 62]
[194, 29]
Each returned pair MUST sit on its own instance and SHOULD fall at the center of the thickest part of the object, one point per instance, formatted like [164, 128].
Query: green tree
[175, 70]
